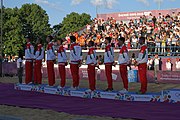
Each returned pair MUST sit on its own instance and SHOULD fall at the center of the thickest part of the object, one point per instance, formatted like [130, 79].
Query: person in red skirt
[141, 62]
[75, 62]
[51, 57]
[123, 61]
[39, 56]
[62, 62]
[92, 63]
[29, 57]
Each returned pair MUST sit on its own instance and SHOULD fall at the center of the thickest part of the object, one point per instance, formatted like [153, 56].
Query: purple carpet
[95, 107]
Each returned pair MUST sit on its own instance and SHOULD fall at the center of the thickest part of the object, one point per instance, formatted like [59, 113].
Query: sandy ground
[39, 114]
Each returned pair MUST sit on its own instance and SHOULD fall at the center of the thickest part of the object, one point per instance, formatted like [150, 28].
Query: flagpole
[1, 47]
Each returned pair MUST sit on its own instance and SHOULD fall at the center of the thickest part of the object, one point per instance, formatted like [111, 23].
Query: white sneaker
[88, 90]
[49, 86]
[29, 83]
[72, 88]
[77, 87]
[59, 87]
[123, 91]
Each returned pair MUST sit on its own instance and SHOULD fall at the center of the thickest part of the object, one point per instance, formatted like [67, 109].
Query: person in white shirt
[168, 65]
[123, 61]
[39, 56]
[20, 67]
[92, 63]
[62, 62]
[51, 57]
[156, 67]
[109, 62]
[149, 64]
[29, 56]
[177, 64]
[75, 61]
[142, 65]
[134, 41]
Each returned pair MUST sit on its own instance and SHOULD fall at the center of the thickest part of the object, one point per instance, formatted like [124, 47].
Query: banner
[169, 77]
[126, 16]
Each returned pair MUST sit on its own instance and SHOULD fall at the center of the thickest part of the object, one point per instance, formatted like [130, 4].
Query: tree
[35, 21]
[30, 20]
[74, 22]
[12, 38]
[56, 30]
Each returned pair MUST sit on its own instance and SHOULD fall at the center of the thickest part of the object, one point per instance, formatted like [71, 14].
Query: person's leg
[19, 75]
[91, 76]
[143, 78]
[50, 68]
[108, 69]
[53, 73]
[28, 72]
[123, 73]
[62, 73]
[35, 72]
[75, 74]
[39, 73]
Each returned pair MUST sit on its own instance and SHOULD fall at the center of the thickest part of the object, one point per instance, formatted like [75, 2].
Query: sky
[58, 9]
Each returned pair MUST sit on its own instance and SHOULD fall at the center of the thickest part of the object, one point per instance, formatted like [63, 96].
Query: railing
[168, 49]
[164, 49]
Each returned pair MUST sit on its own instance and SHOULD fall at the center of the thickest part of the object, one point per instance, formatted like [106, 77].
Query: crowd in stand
[162, 33]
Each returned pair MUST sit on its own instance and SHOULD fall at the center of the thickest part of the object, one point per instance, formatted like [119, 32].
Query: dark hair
[20, 55]
[142, 39]
[121, 39]
[112, 45]
[91, 43]
[50, 37]
[109, 39]
[73, 38]
[39, 39]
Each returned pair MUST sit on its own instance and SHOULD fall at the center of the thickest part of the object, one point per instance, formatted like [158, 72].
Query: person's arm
[80, 50]
[73, 54]
[20, 65]
[52, 52]
[126, 57]
[64, 55]
[110, 54]
[93, 57]
[28, 50]
[140, 56]
[32, 52]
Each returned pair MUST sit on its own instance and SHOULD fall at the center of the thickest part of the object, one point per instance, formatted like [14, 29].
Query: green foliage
[74, 22]
[30, 20]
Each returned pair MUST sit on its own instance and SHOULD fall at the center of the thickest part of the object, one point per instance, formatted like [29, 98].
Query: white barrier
[170, 96]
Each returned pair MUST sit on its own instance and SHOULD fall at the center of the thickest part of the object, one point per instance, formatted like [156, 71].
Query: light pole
[1, 53]
[159, 4]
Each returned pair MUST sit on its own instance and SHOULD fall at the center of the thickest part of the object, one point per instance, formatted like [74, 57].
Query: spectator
[161, 32]
[157, 44]
[20, 67]
[134, 42]
[169, 65]
[156, 67]
[177, 64]
[150, 64]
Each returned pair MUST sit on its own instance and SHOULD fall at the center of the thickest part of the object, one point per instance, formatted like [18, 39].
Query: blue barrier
[133, 75]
